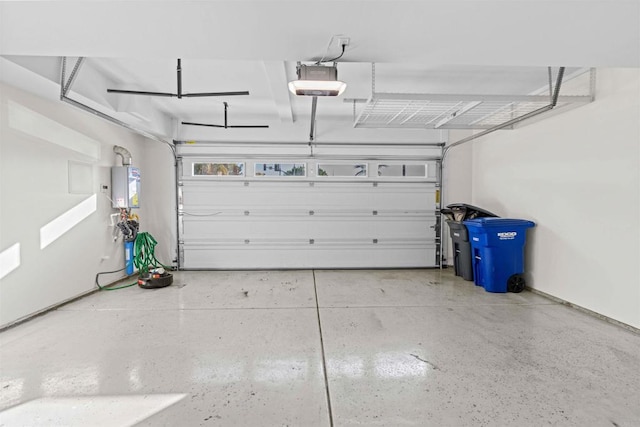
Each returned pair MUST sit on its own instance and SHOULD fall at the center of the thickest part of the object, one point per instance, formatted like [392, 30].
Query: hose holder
[154, 280]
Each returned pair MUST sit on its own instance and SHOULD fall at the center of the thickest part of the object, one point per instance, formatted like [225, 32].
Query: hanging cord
[327, 51]
[104, 288]
[337, 57]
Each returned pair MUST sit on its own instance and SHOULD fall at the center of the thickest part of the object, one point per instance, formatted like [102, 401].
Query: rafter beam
[276, 73]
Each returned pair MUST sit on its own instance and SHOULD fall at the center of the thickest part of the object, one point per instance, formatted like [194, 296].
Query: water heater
[125, 187]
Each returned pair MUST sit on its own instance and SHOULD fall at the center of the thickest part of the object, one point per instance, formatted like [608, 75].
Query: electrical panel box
[125, 187]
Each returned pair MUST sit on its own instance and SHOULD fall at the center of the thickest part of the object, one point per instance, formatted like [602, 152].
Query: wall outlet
[344, 41]
[104, 188]
[114, 219]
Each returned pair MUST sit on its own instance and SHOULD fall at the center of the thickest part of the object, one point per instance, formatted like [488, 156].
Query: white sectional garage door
[254, 214]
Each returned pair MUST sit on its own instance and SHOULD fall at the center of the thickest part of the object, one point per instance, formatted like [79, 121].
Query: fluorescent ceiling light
[317, 80]
[317, 87]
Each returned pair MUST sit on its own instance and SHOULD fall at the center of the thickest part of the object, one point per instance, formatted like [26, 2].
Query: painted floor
[318, 348]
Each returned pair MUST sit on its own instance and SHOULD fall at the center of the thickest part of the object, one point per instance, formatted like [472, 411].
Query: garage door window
[342, 170]
[280, 169]
[402, 170]
[218, 169]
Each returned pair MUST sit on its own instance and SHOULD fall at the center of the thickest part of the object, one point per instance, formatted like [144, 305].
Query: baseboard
[57, 305]
[585, 310]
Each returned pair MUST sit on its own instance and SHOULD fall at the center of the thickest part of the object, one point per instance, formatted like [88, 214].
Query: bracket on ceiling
[65, 84]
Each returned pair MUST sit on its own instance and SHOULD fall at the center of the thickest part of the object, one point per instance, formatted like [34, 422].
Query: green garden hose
[143, 253]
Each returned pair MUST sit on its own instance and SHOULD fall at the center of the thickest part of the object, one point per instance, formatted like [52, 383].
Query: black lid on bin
[463, 211]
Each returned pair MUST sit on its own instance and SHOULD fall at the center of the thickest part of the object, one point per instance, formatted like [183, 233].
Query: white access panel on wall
[255, 214]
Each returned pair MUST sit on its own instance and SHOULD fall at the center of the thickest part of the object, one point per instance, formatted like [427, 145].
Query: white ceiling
[454, 46]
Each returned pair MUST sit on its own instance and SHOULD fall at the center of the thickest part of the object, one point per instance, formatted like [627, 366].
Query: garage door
[239, 213]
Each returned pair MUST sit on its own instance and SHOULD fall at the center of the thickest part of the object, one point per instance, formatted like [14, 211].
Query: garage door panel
[306, 222]
[305, 197]
[249, 228]
[345, 227]
[330, 257]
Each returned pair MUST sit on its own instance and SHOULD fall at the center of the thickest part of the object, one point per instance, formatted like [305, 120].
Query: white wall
[38, 138]
[457, 170]
[159, 198]
[577, 176]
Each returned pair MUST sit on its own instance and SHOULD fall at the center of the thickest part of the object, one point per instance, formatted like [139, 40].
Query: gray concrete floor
[305, 348]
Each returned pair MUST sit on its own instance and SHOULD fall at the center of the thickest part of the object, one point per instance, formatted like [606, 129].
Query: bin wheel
[516, 283]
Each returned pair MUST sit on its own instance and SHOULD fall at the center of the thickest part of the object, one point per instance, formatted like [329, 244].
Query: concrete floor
[394, 348]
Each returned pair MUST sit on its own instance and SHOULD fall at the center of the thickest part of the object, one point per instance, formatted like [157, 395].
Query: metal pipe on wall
[124, 154]
[440, 201]
[178, 177]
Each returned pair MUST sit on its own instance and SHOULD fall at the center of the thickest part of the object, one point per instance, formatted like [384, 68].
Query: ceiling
[418, 47]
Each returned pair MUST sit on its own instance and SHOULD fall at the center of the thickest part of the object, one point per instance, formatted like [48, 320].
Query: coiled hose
[143, 253]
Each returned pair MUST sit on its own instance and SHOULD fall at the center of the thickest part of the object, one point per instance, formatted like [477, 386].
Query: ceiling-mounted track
[65, 88]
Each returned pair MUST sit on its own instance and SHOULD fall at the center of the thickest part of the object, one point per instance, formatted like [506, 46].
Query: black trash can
[462, 263]
[456, 213]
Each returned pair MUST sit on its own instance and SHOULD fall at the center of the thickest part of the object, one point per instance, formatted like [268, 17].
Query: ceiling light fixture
[317, 80]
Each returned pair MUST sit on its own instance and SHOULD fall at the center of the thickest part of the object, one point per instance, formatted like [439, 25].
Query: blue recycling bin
[497, 246]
